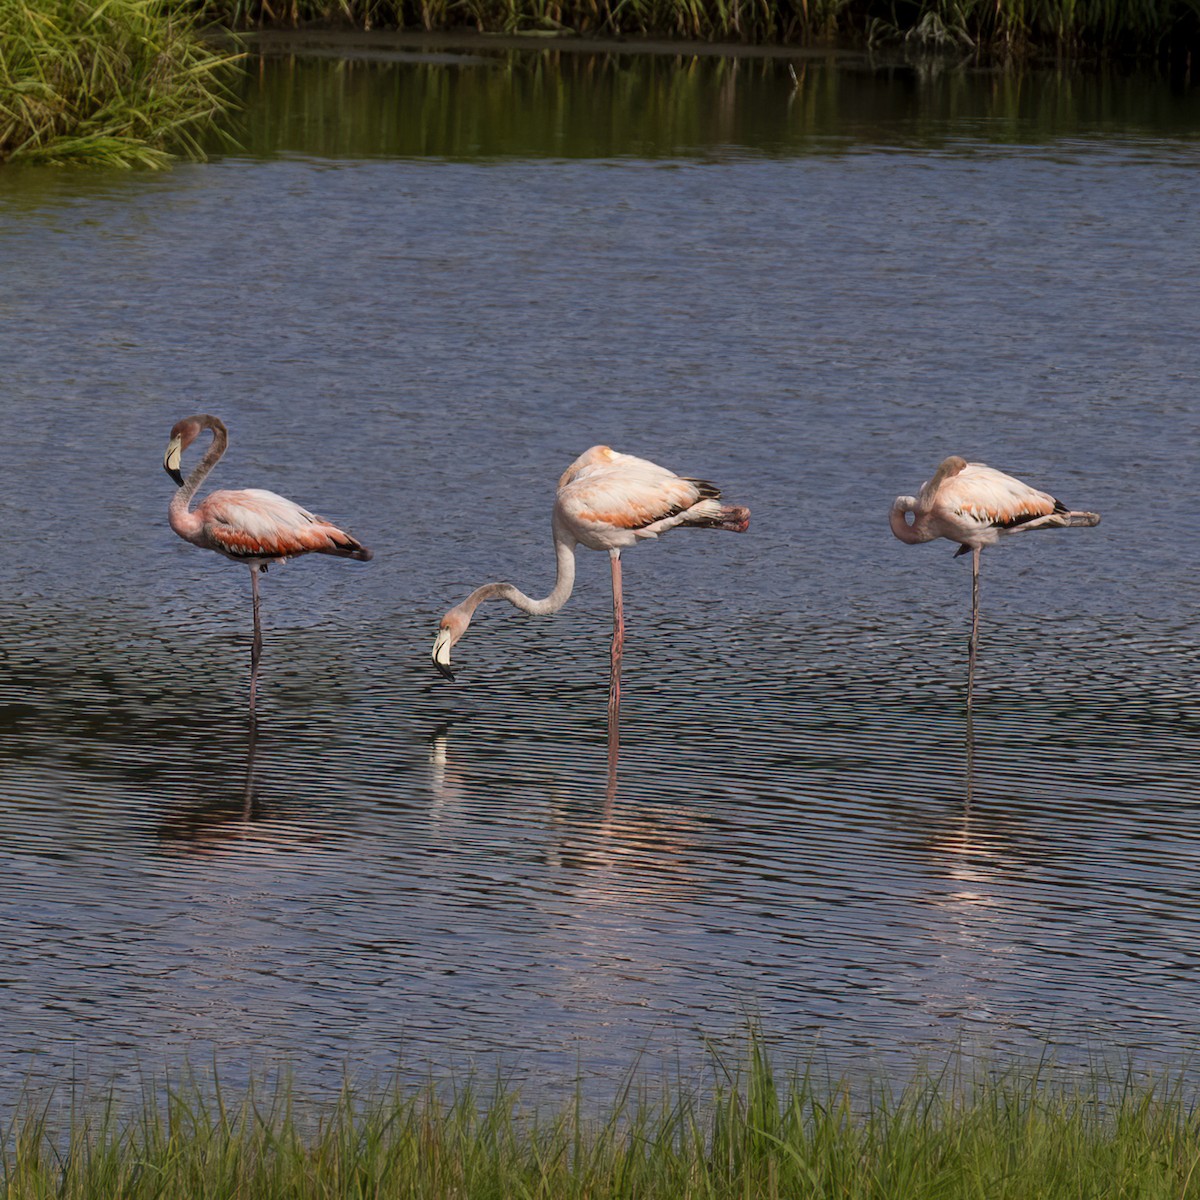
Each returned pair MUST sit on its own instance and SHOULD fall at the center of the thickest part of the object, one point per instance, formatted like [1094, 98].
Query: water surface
[420, 290]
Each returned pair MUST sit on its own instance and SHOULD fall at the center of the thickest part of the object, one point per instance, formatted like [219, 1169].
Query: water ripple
[802, 829]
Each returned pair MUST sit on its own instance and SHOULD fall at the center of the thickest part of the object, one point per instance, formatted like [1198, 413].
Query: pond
[425, 280]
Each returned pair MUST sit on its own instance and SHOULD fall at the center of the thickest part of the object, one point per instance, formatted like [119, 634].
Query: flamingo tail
[733, 517]
[1066, 520]
[342, 545]
[1061, 518]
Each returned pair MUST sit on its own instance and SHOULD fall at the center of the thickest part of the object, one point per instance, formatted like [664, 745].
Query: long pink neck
[912, 534]
[564, 550]
[186, 523]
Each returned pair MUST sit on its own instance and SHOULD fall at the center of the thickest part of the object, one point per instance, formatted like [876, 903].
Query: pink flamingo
[605, 501]
[976, 505]
[251, 526]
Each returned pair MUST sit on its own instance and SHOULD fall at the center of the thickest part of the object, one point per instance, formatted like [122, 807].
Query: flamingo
[605, 501]
[251, 526]
[975, 505]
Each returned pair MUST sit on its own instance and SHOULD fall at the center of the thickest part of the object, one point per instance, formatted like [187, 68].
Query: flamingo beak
[172, 459]
[441, 653]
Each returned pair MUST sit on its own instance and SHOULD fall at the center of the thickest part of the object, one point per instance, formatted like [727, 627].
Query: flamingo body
[976, 505]
[253, 524]
[608, 501]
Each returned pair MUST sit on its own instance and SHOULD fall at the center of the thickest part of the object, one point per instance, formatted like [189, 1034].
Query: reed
[1107, 27]
[121, 83]
[1017, 1134]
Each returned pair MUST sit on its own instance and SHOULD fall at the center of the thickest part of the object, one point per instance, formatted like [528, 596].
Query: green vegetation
[1110, 27]
[118, 83]
[1019, 1136]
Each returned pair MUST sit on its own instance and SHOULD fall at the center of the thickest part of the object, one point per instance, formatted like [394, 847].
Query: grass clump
[1111, 27]
[106, 82]
[1016, 1136]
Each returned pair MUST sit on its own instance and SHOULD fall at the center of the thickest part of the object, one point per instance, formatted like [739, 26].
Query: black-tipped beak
[441, 654]
[172, 461]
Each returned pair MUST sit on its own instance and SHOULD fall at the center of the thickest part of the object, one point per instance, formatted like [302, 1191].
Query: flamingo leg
[618, 645]
[973, 648]
[256, 645]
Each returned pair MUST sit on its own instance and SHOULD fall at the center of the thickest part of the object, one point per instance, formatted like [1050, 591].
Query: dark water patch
[560, 103]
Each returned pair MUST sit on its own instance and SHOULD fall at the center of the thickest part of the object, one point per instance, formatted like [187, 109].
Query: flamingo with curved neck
[252, 526]
[976, 505]
[605, 501]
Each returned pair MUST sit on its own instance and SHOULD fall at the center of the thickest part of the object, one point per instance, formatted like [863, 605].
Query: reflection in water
[970, 756]
[561, 103]
[610, 791]
[596, 849]
[233, 823]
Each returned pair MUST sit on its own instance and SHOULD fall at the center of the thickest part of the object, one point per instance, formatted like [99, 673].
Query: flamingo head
[902, 508]
[454, 625]
[182, 436]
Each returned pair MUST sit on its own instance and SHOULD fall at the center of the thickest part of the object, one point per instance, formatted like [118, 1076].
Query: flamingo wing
[613, 491]
[254, 523]
[987, 497]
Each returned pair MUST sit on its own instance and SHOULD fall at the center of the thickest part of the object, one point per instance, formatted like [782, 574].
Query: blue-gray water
[414, 338]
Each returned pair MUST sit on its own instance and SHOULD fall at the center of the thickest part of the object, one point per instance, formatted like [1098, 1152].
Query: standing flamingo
[252, 526]
[976, 505]
[605, 501]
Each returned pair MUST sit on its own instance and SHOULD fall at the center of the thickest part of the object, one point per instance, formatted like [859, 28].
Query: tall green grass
[1113, 26]
[1019, 1135]
[113, 82]
[1108, 27]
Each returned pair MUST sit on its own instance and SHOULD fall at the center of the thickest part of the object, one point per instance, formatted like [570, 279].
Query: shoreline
[399, 44]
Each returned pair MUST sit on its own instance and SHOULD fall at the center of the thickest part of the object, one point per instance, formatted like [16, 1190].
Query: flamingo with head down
[976, 505]
[252, 526]
[605, 501]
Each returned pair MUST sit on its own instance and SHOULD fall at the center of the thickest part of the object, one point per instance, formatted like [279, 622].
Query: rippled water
[414, 335]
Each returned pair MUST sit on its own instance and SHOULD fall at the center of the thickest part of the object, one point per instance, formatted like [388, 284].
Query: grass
[1107, 27]
[1019, 1135]
[109, 82]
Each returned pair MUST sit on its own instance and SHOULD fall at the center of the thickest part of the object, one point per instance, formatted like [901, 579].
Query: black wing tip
[707, 489]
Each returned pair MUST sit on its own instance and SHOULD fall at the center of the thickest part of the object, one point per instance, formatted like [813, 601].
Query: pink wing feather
[254, 523]
[981, 493]
[604, 489]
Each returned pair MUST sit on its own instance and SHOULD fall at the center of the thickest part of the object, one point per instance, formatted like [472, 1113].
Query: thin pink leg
[256, 645]
[614, 679]
[973, 649]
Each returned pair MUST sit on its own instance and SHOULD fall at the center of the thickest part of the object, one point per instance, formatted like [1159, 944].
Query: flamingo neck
[564, 550]
[185, 523]
[914, 533]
